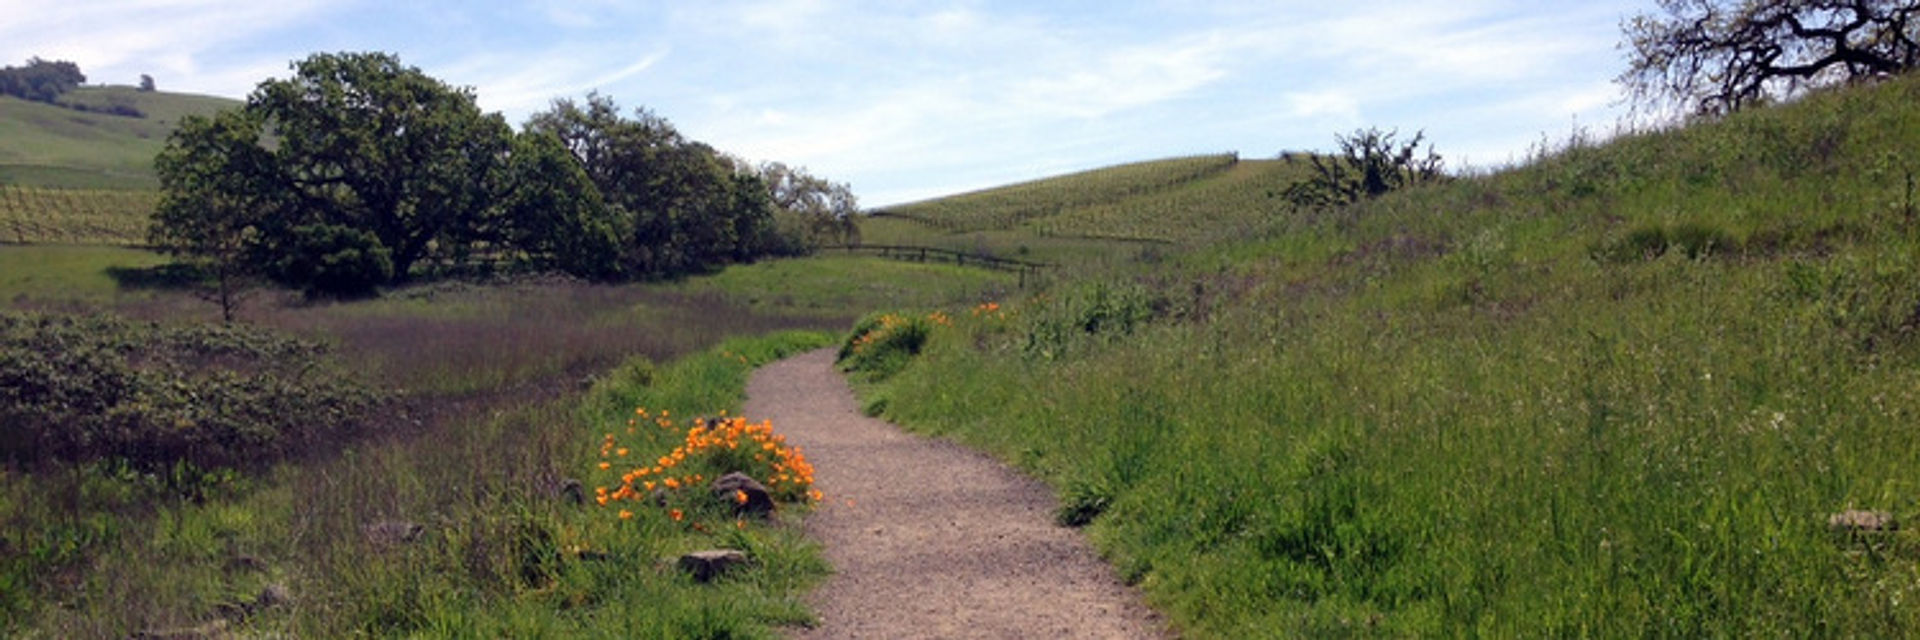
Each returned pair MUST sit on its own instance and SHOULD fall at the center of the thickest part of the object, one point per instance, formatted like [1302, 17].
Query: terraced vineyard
[1009, 207]
[1247, 192]
[1099, 215]
[36, 215]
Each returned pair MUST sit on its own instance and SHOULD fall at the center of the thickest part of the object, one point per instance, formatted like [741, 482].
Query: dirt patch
[930, 539]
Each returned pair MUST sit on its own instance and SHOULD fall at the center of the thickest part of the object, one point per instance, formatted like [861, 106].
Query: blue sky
[906, 99]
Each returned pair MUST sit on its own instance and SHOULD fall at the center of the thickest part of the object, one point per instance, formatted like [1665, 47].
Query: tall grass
[505, 393]
[1459, 411]
[502, 550]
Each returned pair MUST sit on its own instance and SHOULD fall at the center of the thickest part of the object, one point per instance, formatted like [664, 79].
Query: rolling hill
[43, 145]
[1099, 216]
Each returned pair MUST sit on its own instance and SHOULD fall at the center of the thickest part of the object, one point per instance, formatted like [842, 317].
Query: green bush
[332, 260]
[881, 344]
[80, 388]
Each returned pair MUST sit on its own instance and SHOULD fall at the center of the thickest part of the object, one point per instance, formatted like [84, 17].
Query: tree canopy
[1715, 56]
[41, 80]
[358, 171]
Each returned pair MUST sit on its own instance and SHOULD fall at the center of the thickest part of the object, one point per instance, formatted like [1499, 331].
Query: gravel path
[929, 539]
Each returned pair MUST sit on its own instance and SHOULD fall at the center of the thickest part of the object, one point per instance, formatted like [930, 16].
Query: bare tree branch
[1716, 56]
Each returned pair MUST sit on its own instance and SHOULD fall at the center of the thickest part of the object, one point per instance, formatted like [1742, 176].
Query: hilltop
[51, 145]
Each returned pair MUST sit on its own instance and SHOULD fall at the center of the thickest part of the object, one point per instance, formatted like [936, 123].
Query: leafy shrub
[332, 260]
[883, 343]
[80, 388]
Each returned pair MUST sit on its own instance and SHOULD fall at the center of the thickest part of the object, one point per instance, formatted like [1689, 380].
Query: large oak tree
[367, 143]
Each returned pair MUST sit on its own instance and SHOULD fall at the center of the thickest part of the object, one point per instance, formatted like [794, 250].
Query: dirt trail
[929, 539]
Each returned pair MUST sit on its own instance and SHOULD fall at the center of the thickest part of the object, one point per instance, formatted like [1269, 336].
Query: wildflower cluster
[710, 448]
[988, 309]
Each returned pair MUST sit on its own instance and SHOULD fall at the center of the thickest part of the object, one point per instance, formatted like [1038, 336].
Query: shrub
[332, 260]
[81, 388]
[881, 344]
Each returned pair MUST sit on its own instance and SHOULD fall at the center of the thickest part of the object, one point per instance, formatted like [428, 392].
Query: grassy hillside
[1621, 391]
[1105, 216]
[56, 146]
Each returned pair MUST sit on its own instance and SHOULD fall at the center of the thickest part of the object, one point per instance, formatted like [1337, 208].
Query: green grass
[844, 286]
[66, 272]
[505, 390]
[54, 146]
[1460, 411]
[503, 553]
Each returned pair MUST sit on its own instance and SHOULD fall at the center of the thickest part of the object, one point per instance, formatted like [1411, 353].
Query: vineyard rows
[1183, 213]
[36, 215]
[1012, 206]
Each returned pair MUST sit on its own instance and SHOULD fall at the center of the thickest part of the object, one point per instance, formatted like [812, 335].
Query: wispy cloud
[118, 39]
[906, 99]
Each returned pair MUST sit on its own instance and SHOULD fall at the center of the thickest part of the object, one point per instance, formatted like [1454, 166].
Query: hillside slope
[56, 146]
[1092, 218]
[1654, 387]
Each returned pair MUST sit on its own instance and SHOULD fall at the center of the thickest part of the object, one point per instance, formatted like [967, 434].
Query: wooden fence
[915, 253]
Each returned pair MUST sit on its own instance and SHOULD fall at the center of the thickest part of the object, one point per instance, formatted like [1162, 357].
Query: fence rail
[917, 253]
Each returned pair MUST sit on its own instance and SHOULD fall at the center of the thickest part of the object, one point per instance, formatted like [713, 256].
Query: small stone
[1859, 521]
[388, 533]
[730, 487]
[707, 565]
[272, 595]
[573, 491]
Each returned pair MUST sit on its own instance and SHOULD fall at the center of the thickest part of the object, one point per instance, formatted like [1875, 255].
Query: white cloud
[1327, 104]
[909, 98]
[114, 38]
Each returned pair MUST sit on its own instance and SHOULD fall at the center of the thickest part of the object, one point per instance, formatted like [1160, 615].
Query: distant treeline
[359, 172]
[41, 80]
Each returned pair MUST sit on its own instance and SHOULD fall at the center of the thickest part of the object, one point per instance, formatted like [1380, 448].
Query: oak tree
[1715, 56]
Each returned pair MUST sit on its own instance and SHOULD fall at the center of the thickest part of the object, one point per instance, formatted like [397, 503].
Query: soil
[930, 539]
